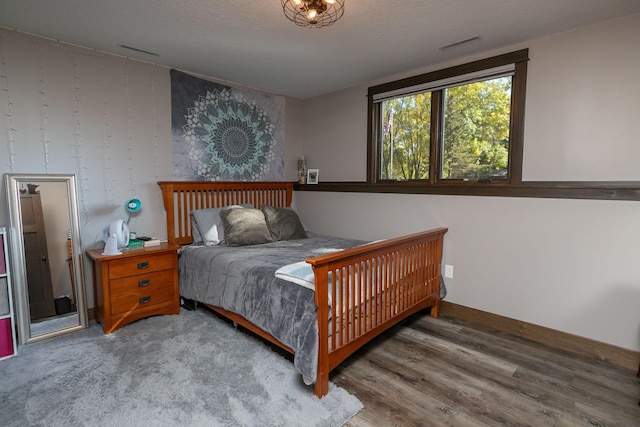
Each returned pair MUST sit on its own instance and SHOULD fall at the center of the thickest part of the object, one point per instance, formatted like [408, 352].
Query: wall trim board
[614, 355]
[593, 190]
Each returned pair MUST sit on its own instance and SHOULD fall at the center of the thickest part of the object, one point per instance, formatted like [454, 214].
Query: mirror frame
[17, 256]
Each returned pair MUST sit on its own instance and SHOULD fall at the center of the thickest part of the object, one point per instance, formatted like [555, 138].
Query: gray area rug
[54, 323]
[193, 369]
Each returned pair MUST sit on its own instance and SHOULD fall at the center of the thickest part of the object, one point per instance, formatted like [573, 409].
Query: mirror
[46, 256]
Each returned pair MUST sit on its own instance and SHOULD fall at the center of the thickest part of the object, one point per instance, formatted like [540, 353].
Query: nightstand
[139, 283]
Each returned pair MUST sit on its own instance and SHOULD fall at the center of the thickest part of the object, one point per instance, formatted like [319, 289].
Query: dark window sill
[596, 190]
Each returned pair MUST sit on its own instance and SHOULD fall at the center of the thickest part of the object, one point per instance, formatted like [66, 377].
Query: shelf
[8, 345]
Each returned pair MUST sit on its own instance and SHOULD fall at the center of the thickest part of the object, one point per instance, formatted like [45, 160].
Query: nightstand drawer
[140, 265]
[141, 299]
[140, 282]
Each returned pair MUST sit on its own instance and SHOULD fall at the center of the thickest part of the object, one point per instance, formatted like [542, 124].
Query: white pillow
[208, 224]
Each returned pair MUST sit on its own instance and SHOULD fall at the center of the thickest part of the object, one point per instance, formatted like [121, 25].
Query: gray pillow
[283, 223]
[207, 225]
[195, 233]
[244, 227]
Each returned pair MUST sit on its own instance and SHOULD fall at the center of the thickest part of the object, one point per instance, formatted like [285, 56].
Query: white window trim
[462, 79]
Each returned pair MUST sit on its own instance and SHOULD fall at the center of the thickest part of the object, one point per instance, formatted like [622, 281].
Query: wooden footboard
[371, 288]
[366, 289]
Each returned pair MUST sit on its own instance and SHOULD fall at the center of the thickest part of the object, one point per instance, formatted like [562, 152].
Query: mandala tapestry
[220, 133]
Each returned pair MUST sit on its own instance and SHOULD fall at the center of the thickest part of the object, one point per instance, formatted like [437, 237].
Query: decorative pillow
[195, 233]
[244, 227]
[207, 224]
[283, 223]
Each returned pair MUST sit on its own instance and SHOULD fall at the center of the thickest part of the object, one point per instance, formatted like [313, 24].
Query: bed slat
[181, 197]
[372, 288]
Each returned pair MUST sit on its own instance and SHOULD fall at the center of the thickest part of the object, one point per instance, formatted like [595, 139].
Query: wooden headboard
[181, 197]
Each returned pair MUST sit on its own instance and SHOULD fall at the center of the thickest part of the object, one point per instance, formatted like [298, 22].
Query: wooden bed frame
[377, 284]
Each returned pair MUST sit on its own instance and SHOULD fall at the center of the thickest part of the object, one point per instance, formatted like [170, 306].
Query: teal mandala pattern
[228, 137]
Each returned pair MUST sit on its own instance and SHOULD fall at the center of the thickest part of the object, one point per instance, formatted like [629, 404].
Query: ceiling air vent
[137, 50]
[461, 42]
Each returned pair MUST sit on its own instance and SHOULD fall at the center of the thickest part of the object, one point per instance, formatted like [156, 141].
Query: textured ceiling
[251, 42]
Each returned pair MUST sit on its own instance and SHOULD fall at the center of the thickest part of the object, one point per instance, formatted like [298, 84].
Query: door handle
[144, 300]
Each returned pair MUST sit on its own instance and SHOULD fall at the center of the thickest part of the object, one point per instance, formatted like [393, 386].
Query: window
[475, 137]
[460, 125]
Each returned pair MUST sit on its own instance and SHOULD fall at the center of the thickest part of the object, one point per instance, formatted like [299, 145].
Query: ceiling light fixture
[313, 13]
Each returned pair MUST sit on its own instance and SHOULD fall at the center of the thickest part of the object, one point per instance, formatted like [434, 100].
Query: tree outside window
[475, 141]
[406, 137]
[476, 130]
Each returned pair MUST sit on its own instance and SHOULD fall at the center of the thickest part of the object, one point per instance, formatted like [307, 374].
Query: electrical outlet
[448, 271]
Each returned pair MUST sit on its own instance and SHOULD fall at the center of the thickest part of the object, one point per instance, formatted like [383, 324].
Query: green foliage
[406, 137]
[476, 133]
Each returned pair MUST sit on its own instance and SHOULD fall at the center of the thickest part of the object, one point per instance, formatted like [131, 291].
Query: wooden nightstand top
[96, 254]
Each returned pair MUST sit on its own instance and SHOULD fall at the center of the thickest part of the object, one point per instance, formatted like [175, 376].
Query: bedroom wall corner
[294, 137]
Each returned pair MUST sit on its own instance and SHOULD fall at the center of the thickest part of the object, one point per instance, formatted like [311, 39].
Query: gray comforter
[242, 280]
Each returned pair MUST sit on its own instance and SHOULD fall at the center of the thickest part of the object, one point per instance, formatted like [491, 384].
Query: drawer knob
[144, 300]
[143, 265]
[143, 283]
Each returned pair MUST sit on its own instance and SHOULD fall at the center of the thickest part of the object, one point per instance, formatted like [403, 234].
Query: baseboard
[91, 314]
[556, 339]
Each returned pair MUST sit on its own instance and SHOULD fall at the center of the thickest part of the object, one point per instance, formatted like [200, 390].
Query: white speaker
[115, 236]
[111, 247]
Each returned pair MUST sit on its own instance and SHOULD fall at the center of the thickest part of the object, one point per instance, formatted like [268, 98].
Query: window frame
[518, 98]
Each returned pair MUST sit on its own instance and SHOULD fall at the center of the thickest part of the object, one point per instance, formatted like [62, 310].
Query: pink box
[6, 340]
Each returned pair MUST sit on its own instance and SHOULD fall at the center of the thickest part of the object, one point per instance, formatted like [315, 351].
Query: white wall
[583, 104]
[571, 265]
[106, 119]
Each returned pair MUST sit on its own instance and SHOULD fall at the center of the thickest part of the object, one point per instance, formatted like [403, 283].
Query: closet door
[41, 302]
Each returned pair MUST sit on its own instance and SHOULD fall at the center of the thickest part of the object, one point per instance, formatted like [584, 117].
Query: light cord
[4, 76]
[82, 176]
[44, 117]
[130, 132]
[156, 148]
[106, 141]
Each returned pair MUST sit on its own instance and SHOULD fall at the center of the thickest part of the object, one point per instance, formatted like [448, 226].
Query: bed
[354, 292]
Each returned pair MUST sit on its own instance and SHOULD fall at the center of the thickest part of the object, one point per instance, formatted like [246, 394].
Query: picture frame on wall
[312, 176]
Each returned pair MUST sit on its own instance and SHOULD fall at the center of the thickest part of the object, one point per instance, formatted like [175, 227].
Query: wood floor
[437, 372]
